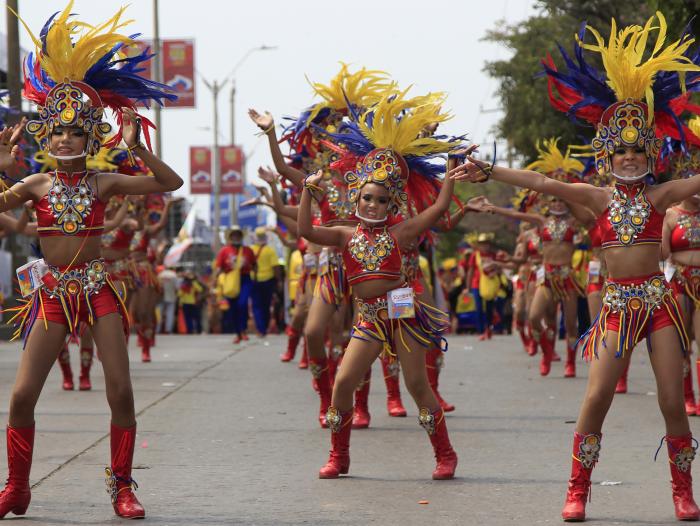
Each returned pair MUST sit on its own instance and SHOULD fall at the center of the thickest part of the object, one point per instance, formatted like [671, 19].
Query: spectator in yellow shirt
[189, 294]
[264, 280]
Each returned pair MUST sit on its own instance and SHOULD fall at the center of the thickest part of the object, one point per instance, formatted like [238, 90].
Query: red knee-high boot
[621, 387]
[144, 341]
[120, 485]
[585, 455]
[334, 354]
[391, 371]
[85, 365]
[680, 454]
[570, 365]
[690, 408]
[434, 423]
[339, 460]
[304, 360]
[64, 362]
[532, 341]
[293, 337]
[16, 495]
[524, 337]
[362, 417]
[433, 364]
[319, 372]
[547, 344]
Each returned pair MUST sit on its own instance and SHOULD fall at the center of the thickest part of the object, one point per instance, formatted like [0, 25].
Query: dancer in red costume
[681, 243]
[528, 257]
[638, 301]
[555, 283]
[70, 205]
[328, 308]
[372, 258]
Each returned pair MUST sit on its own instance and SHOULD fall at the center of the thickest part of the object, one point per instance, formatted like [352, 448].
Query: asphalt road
[228, 435]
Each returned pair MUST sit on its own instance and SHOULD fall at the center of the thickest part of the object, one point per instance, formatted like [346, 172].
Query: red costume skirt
[560, 281]
[82, 293]
[332, 285]
[121, 270]
[634, 308]
[374, 324]
[145, 275]
[686, 281]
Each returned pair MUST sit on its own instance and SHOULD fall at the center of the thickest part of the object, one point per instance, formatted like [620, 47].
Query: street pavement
[228, 435]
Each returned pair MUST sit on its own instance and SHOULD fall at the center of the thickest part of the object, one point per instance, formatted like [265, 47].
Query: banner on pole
[231, 164]
[200, 170]
[177, 59]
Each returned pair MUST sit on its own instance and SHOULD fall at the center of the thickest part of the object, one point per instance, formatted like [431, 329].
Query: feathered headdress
[555, 164]
[638, 97]
[345, 91]
[387, 145]
[79, 69]
[682, 163]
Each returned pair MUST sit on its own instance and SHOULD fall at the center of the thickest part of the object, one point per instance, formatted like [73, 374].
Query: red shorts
[560, 281]
[594, 287]
[82, 293]
[373, 323]
[634, 308]
[332, 285]
[686, 281]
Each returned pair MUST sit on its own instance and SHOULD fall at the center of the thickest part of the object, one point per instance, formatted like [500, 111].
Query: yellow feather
[73, 47]
[551, 159]
[630, 74]
[362, 88]
[397, 123]
[694, 125]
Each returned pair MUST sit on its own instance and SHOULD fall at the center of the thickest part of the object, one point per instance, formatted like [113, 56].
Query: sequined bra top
[557, 231]
[335, 205]
[595, 237]
[686, 234]
[118, 239]
[71, 208]
[533, 245]
[372, 253]
[630, 219]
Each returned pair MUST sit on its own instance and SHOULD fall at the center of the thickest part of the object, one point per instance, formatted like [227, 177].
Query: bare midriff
[375, 287]
[690, 258]
[633, 261]
[557, 253]
[66, 250]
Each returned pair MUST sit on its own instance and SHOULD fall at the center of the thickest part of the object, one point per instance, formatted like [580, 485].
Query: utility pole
[215, 88]
[158, 76]
[14, 84]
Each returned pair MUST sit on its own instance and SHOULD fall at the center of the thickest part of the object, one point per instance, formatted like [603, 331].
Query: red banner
[200, 170]
[177, 59]
[231, 164]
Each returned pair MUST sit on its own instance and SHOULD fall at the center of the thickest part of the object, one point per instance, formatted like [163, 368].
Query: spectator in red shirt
[235, 319]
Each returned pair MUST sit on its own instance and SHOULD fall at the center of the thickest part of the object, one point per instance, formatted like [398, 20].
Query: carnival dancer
[330, 302]
[638, 301]
[681, 243]
[378, 185]
[528, 257]
[76, 71]
[146, 293]
[555, 283]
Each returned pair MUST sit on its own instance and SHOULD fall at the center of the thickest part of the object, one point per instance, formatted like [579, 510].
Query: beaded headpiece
[638, 97]
[77, 70]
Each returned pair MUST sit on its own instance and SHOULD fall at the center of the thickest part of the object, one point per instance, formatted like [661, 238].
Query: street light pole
[233, 111]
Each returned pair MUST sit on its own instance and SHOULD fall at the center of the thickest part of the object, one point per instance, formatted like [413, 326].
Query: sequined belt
[373, 309]
[557, 271]
[89, 277]
[650, 294]
[690, 272]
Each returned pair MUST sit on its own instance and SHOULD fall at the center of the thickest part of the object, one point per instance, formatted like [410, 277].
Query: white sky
[433, 45]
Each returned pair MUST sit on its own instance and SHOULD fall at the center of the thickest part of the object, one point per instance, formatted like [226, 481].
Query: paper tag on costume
[400, 303]
[594, 269]
[669, 270]
[323, 262]
[310, 261]
[539, 276]
[33, 275]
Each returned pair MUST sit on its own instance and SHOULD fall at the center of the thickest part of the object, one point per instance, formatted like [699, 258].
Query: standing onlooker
[265, 280]
[189, 295]
[168, 285]
[231, 259]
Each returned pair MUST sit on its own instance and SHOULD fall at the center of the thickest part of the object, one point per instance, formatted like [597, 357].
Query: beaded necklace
[628, 214]
[370, 255]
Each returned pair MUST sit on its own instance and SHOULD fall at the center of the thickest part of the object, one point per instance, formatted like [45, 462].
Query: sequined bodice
[70, 207]
[686, 233]
[372, 253]
[557, 230]
[630, 219]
